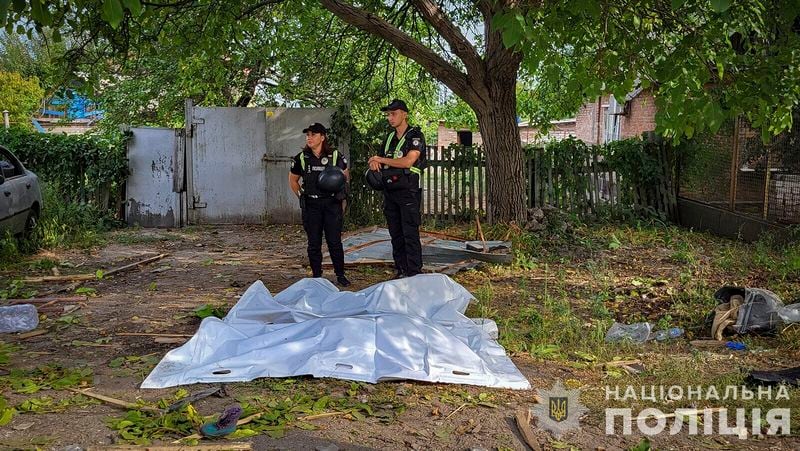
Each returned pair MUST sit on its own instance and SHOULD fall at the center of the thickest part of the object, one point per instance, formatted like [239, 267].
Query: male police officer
[401, 162]
[321, 200]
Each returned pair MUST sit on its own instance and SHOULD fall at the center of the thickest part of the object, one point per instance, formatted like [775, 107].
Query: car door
[14, 203]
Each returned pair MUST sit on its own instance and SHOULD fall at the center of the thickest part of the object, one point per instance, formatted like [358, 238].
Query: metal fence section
[735, 169]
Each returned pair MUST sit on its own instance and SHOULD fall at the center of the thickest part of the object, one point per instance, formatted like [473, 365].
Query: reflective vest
[310, 176]
[398, 151]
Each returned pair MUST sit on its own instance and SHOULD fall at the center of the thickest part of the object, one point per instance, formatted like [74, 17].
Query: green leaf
[4, 4]
[112, 12]
[720, 6]
[99, 274]
[134, 6]
[19, 5]
[677, 3]
[241, 433]
[6, 416]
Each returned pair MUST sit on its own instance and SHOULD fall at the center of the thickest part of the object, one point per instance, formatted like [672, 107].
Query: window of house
[465, 137]
[613, 119]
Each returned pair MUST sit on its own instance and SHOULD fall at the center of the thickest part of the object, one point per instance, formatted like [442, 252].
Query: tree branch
[448, 74]
[459, 44]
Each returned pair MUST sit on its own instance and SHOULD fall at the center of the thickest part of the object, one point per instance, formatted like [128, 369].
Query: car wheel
[30, 224]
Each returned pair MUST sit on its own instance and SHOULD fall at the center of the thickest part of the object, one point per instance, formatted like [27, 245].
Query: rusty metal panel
[228, 176]
[151, 201]
[284, 134]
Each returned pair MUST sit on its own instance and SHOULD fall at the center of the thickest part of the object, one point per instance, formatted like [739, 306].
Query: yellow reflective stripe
[415, 170]
[389, 142]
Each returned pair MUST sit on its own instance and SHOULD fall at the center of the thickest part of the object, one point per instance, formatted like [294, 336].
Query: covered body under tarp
[412, 328]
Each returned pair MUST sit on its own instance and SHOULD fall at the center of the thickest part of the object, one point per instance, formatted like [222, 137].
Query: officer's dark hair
[326, 146]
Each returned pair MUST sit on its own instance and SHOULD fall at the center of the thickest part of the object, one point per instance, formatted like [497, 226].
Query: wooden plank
[481, 168]
[435, 168]
[449, 192]
[463, 174]
[455, 184]
[114, 401]
[473, 167]
[202, 447]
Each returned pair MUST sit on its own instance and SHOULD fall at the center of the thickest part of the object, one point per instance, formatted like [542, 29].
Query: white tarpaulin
[412, 328]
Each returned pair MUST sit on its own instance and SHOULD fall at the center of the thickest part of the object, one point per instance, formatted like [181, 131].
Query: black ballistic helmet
[374, 179]
[331, 179]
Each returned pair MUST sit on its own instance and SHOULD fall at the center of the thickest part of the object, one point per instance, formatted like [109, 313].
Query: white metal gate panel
[151, 200]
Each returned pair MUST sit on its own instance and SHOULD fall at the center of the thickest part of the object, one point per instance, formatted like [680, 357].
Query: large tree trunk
[505, 182]
[488, 86]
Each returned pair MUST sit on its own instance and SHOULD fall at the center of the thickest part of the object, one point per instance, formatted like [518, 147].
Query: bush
[62, 224]
[87, 168]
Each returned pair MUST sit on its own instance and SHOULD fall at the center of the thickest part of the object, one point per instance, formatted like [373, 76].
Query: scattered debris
[226, 423]
[523, 418]
[97, 275]
[170, 340]
[745, 310]
[439, 251]
[208, 447]
[114, 401]
[142, 334]
[785, 376]
[192, 398]
[31, 334]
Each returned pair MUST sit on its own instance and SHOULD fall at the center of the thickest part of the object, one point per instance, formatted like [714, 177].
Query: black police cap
[396, 104]
[316, 127]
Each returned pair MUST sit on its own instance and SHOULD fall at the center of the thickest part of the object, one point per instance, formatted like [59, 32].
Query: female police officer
[324, 174]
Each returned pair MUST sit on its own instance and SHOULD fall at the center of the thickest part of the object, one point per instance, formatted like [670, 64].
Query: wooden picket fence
[454, 185]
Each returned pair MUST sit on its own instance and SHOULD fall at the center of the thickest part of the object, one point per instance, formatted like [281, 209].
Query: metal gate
[155, 179]
[229, 165]
[284, 140]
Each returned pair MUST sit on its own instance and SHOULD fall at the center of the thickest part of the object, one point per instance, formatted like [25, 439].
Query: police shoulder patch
[415, 141]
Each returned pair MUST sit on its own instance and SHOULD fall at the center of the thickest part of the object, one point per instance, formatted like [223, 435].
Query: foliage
[36, 57]
[79, 165]
[46, 377]
[271, 416]
[206, 310]
[20, 96]
[706, 60]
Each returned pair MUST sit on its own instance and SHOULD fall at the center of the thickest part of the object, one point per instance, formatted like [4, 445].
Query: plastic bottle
[790, 313]
[672, 332]
[18, 318]
[636, 332]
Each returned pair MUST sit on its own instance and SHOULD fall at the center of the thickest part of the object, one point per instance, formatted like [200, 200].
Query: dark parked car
[20, 196]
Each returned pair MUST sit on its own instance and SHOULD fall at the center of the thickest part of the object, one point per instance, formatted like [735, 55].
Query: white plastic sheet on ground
[411, 328]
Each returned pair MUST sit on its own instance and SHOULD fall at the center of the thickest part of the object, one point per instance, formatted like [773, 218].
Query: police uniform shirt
[315, 165]
[414, 140]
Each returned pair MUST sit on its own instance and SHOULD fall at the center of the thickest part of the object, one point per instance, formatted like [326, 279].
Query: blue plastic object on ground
[736, 346]
[226, 424]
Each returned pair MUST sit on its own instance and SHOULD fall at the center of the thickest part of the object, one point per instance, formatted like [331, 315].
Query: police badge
[415, 142]
[324, 160]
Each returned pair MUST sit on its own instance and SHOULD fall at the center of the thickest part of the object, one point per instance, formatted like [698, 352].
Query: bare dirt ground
[214, 265]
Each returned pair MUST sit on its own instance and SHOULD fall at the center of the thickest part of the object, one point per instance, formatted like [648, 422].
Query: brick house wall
[640, 117]
[527, 134]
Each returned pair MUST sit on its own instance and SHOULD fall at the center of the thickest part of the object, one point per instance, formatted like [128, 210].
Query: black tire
[30, 224]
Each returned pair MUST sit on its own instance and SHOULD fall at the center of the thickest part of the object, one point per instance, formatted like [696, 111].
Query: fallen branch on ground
[114, 401]
[85, 277]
